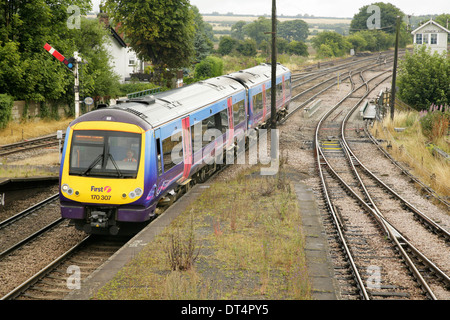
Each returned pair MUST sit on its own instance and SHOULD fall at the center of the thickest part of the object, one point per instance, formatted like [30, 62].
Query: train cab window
[238, 113]
[105, 153]
[172, 151]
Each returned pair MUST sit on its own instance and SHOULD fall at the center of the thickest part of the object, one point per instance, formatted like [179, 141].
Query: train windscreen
[105, 153]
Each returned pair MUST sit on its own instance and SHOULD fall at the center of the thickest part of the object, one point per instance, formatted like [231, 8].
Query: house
[124, 59]
[433, 35]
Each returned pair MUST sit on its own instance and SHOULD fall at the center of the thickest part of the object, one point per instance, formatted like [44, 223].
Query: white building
[433, 35]
[124, 59]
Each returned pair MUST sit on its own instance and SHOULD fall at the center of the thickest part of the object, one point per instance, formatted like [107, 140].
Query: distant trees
[247, 38]
[377, 39]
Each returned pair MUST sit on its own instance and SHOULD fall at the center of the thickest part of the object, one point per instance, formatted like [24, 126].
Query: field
[235, 18]
[222, 24]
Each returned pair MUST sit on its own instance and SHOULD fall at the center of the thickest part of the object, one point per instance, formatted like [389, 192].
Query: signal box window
[433, 38]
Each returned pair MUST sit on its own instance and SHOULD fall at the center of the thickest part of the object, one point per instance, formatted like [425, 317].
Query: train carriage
[120, 162]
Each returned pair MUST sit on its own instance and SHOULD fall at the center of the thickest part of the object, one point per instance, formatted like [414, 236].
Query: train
[120, 163]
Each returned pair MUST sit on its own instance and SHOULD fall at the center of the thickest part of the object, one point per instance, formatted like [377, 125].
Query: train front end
[104, 179]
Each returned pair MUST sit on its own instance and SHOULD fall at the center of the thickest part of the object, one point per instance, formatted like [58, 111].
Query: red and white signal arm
[59, 56]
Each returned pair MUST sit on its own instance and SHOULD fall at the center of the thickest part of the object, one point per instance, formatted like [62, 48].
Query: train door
[187, 149]
[159, 164]
[230, 122]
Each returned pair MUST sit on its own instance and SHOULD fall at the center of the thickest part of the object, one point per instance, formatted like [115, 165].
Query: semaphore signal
[69, 63]
[72, 65]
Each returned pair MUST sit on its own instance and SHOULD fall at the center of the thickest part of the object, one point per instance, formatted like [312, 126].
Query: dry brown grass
[409, 147]
[16, 132]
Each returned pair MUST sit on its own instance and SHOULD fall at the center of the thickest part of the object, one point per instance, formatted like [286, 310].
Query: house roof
[430, 22]
[117, 37]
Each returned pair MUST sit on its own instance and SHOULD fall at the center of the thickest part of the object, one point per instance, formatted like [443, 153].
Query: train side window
[158, 153]
[207, 124]
[170, 156]
[287, 84]
[279, 91]
[257, 103]
[268, 99]
[197, 136]
[221, 120]
[238, 113]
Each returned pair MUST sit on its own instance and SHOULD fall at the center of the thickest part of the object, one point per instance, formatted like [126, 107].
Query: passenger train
[120, 162]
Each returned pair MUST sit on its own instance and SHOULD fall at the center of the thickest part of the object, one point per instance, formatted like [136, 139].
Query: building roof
[430, 22]
[117, 37]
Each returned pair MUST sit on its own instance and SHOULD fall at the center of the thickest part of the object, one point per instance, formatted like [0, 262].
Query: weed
[182, 253]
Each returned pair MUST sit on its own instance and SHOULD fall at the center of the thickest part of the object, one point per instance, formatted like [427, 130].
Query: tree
[97, 77]
[160, 31]
[237, 30]
[293, 30]
[388, 16]
[330, 44]
[226, 45]
[423, 78]
[203, 43]
[247, 47]
[258, 29]
[28, 72]
[299, 48]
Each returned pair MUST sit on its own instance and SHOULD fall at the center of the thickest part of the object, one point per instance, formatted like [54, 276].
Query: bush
[423, 78]
[6, 105]
[299, 48]
[435, 122]
[208, 68]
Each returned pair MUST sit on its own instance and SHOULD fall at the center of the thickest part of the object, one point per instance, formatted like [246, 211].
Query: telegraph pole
[273, 97]
[394, 72]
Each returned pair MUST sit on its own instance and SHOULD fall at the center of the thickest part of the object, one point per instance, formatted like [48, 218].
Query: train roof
[255, 75]
[154, 111]
[169, 105]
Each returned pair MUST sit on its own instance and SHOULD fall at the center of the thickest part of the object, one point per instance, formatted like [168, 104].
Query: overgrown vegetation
[423, 78]
[250, 246]
[412, 145]
[6, 104]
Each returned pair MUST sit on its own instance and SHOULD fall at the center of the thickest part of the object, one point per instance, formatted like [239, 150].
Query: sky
[318, 8]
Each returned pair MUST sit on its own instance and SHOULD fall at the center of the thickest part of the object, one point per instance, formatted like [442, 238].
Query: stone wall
[33, 110]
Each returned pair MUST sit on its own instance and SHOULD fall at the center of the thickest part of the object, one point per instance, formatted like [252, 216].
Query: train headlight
[65, 188]
[135, 193]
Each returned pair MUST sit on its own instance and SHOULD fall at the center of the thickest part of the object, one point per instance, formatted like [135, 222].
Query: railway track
[357, 231]
[35, 143]
[66, 273]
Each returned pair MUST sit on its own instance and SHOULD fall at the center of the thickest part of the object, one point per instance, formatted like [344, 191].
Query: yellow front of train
[102, 175]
